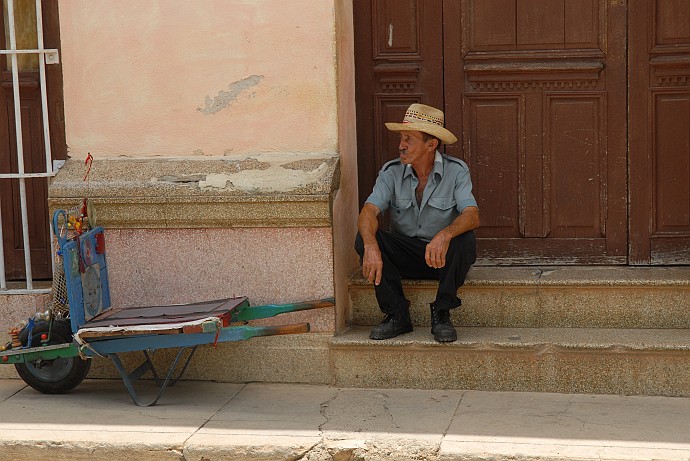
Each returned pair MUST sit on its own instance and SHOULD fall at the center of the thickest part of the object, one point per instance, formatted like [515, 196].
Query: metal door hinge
[52, 57]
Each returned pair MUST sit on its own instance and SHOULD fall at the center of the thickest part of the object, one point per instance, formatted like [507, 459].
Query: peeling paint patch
[263, 173]
[215, 181]
[225, 98]
[304, 165]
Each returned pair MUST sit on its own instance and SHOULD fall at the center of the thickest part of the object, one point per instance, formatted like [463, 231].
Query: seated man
[433, 214]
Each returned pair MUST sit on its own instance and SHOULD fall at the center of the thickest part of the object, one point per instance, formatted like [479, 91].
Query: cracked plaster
[274, 178]
[225, 98]
[266, 173]
[256, 191]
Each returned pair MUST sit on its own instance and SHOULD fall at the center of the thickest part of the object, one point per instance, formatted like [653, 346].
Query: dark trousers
[403, 257]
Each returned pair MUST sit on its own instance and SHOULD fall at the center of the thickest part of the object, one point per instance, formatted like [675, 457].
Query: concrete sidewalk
[216, 421]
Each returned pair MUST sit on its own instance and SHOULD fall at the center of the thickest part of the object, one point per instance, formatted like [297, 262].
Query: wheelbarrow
[53, 355]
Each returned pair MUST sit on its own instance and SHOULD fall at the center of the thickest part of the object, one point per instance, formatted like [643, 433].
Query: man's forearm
[368, 224]
[467, 220]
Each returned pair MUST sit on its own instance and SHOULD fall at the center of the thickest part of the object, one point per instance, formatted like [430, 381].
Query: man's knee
[463, 246]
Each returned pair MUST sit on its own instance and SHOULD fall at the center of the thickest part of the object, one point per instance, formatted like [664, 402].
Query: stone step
[582, 297]
[563, 360]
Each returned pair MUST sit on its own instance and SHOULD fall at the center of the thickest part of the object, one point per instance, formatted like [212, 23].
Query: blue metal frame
[79, 254]
[129, 378]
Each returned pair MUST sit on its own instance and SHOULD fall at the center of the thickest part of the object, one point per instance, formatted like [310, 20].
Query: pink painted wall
[217, 77]
[178, 78]
[151, 267]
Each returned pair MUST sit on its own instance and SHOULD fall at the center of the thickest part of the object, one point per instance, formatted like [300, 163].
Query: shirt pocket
[403, 217]
[401, 205]
[442, 203]
[439, 213]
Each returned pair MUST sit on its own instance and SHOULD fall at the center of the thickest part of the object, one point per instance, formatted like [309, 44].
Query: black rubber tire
[62, 328]
[56, 376]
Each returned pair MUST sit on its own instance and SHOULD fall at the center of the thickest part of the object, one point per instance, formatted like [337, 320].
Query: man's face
[412, 147]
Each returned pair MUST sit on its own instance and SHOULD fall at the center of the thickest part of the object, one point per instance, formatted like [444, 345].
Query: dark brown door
[542, 94]
[33, 139]
[398, 61]
[535, 92]
[659, 69]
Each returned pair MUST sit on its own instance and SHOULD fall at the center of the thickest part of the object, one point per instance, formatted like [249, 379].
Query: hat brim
[445, 136]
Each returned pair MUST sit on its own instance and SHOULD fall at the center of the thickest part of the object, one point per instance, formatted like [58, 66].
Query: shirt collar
[438, 166]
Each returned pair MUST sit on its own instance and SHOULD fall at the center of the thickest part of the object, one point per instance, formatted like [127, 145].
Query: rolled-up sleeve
[463, 190]
[383, 191]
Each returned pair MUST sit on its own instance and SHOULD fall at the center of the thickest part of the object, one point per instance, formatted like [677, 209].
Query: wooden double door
[573, 116]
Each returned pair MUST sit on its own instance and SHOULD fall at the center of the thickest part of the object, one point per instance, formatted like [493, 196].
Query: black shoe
[441, 325]
[391, 326]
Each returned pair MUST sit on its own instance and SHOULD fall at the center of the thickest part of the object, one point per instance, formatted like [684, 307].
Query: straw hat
[426, 119]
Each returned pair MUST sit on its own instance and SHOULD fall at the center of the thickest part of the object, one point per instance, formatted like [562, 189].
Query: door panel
[575, 167]
[672, 171]
[399, 61]
[496, 162]
[541, 97]
[510, 25]
[659, 34]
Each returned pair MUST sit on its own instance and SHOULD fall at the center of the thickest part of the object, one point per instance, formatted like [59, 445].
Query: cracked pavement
[207, 421]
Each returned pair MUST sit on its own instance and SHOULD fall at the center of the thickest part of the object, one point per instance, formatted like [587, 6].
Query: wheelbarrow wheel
[56, 376]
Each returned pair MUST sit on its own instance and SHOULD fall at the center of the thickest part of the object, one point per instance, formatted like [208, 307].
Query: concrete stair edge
[602, 297]
[613, 361]
[566, 276]
[598, 339]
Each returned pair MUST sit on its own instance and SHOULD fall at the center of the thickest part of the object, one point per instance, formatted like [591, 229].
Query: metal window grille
[45, 56]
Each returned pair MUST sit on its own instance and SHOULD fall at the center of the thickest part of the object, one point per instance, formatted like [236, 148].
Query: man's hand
[372, 264]
[436, 250]
[367, 224]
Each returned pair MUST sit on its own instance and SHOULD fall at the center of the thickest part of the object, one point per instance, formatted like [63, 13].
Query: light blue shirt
[448, 191]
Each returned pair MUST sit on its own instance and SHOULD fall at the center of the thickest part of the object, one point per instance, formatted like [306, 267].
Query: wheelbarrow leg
[145, 367]
[129, 378]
